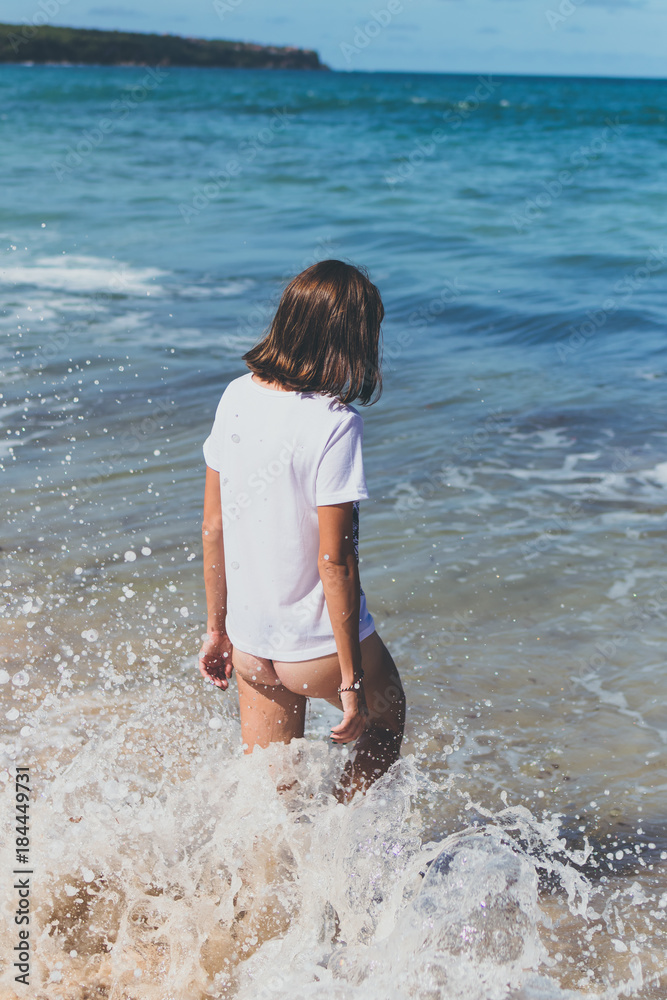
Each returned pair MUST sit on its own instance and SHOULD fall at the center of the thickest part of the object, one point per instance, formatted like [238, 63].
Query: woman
[283, 483]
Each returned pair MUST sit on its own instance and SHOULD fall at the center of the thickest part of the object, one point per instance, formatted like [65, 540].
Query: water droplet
[235, 565]
[235, 438]
[326, 557]
[130, 556]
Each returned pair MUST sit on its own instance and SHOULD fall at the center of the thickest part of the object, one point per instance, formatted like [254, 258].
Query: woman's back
[280, 455]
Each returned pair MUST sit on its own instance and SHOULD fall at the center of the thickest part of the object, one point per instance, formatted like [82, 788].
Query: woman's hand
[355, 716]
[215, 660]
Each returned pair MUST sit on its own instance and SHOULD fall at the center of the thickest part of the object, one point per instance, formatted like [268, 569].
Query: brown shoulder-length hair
[325, 335]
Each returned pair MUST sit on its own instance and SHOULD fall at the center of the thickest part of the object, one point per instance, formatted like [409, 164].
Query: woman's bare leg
[379, 746]
[269, 712]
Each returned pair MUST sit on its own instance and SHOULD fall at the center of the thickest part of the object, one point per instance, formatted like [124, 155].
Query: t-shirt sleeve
[340, 473]
[213, 442]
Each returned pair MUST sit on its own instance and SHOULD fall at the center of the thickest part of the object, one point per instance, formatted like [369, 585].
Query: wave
[86, 275]
[173, 863]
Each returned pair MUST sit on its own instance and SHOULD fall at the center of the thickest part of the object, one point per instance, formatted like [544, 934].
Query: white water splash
[169, 865]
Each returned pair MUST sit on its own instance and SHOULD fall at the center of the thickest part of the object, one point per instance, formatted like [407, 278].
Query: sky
[562, 37]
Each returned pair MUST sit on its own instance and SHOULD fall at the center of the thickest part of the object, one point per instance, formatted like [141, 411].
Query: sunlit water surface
[512, 552]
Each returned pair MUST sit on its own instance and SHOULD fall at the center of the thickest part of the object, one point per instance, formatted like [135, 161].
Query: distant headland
[28, 43]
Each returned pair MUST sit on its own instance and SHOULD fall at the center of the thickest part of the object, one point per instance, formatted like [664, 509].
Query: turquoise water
[512, 549]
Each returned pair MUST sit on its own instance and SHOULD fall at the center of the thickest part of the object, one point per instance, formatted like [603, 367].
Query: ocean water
[513, 550]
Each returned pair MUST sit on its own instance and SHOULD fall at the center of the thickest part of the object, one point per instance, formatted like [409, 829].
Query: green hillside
[46, 44]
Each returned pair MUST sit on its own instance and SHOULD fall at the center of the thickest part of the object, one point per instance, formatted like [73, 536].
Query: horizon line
[522, 75]
[31, 64]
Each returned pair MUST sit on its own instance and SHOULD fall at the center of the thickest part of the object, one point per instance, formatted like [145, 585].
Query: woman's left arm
[215, 656]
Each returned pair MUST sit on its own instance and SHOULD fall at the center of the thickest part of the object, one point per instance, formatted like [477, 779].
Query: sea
[512, 551]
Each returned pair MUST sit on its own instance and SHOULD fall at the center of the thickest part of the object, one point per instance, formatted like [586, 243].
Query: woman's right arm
[339, 572]
[215, 656]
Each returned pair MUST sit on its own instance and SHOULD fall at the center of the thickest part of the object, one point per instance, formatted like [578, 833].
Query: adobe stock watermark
[93, 137]
[246, 152]
[364, 34]
[261, 313]
[130, 442]
[224, 7]
[630, 625]
[411, 497]
[47, 10]
[558, 527]
[449, 291]
[456, 630]
[536, 207]
[56, 343]
[471, 103]
[454, 119]
[290, 628]
[625, 288]
[565, 9]
[419, 319]
[257, 483]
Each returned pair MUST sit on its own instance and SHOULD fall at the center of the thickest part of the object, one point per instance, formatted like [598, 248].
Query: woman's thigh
[270, 713]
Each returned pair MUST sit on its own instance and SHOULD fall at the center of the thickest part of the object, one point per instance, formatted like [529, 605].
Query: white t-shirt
[280, 455]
